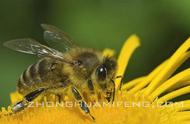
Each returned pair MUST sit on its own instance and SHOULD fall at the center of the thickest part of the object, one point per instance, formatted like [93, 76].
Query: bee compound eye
[101, 72]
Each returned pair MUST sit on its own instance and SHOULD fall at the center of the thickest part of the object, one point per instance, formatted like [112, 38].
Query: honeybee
[83, 74]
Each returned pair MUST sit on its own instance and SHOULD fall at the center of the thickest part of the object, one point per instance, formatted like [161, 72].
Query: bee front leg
[27, 99]
[82, 103]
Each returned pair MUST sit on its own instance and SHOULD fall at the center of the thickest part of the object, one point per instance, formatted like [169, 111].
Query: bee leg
[27, 99]
[113, 92]
[59, 98]
[79, 99]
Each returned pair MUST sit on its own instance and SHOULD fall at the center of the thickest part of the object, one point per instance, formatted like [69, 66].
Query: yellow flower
[144, 100]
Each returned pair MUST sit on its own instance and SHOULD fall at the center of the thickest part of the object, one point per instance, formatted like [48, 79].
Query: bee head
[104, 74]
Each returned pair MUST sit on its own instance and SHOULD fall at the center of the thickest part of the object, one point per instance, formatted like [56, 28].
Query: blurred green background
[162, 26]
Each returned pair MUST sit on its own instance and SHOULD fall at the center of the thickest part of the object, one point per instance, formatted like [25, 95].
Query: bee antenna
[121, 83]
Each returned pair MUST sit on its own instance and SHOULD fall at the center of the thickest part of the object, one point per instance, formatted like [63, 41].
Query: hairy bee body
[44, 73]
[49, 72]
[83, 74]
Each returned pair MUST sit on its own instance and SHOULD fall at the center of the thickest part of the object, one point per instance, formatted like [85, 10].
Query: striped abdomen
[43, 73]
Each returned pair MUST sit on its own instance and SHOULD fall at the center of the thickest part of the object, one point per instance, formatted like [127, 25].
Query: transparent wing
[31, 46]
[55, 37]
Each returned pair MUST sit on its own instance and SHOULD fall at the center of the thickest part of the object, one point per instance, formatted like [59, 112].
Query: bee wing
[31, 46]
[54, 35]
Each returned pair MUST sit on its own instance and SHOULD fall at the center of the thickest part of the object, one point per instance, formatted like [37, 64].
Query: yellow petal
[173, 63]
[127, 50]
[148, 79]
[132, 83]
[174, 94]
[178, 78]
